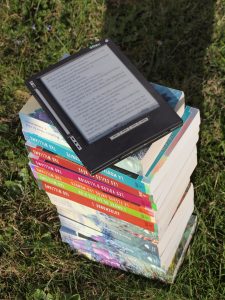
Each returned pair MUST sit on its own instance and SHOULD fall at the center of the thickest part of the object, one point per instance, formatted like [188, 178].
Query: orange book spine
[98, 206]
[77, 184]
[82, 170]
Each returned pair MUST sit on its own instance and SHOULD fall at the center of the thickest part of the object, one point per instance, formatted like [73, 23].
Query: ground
[180, 44]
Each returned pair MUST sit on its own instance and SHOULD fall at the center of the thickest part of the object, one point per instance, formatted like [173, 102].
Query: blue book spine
[112, 245]
[110, 235]
[70, 155]
[147, 179]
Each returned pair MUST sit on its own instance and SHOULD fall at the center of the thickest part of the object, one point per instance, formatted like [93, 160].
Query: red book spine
[97, 206]
[82, 170]
[98, 185]
[89, 189]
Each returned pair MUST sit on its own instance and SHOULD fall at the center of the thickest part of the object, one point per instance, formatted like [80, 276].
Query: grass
[177, 43]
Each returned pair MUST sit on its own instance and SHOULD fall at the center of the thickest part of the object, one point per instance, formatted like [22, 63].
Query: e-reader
[102, 105]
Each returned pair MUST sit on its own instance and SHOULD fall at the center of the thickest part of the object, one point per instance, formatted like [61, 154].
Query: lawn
[180, 44]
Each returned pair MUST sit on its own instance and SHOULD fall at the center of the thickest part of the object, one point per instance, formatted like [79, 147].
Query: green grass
[177, 43]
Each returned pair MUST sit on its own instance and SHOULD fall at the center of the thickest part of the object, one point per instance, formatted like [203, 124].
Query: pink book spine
[93, 183]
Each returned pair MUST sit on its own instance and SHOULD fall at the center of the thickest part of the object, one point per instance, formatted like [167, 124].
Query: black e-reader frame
[102, 144]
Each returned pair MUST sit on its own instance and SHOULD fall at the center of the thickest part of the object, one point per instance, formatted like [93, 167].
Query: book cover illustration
[93, 218]
[111, 237]
[141, 183]
[115, 246]
[96, 252]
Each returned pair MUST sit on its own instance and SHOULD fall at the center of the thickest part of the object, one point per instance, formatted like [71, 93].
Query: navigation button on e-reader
[75, 142]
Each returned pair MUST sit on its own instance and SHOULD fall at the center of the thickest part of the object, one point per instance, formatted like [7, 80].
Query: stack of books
[136, 215]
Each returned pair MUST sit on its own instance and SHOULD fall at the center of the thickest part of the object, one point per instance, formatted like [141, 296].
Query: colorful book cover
[35, 120]
[92, 201]
[137, 182]
[96, 195]
[95, 251]
[107, 234]
[109, 245]
[96, 219]
[70, 155]
[89, 181]
[145, 248]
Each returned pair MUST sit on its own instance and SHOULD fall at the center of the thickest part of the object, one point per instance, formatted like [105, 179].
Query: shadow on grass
[166, 40]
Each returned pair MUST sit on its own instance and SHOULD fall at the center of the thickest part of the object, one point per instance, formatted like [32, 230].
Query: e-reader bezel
[128, 138]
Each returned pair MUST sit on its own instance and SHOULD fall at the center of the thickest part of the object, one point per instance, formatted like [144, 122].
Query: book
[99, 217]
[96, 252]
[61, 188]
[159, 195]
[36, 157]
[35, 120]
[186, 144]
[60, 197]
[144, 249]
[115, 246]
[58, 156]
[158, 169]
[132, 215]
[161, 217]
[96, 195]
[161, 220]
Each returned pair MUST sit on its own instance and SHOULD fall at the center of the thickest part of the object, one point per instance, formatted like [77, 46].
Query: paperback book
[97, 252]
[191, 120]
[135, 215]
[160, 254]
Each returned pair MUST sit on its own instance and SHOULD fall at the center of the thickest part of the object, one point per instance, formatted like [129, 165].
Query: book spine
[72, 165]
[46, 131]
[72, 236]
[124, 261]
[74, 186]
[132, 216]
[103, 222]
[81, 199]
[38, 127]
[135, 266]
[187, 133]
[91, 182]
[170, 144]
[107, 236]
[69, 154]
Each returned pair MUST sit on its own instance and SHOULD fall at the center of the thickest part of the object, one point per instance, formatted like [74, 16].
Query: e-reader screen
[98, 93]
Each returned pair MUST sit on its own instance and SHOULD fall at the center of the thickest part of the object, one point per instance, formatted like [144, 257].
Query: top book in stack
[102, 105]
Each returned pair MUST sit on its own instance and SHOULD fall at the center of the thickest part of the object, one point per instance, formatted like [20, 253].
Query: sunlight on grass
[177, 43]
